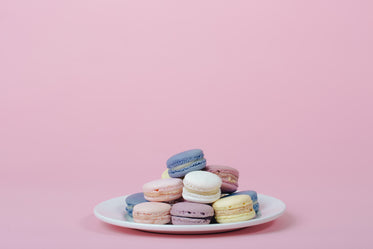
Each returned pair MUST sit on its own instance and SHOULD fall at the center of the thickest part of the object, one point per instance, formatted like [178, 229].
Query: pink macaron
[163, 190]
[228, 175]
[152, 213]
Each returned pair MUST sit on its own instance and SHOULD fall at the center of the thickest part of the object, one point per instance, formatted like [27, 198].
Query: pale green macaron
[165, 174]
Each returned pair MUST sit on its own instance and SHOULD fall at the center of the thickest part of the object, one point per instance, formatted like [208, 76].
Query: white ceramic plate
[113, 212]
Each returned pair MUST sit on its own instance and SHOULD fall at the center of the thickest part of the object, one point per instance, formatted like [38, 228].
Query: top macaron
[167, 190]
[182, 163]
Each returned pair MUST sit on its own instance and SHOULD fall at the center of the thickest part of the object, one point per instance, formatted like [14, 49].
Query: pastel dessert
[190, 213]
[166, 190]
[234, 209]
[152, 213]
[180, 164]
[165, 174]
[228, 175]
[133, 200]
[201, 187]
[253, 195]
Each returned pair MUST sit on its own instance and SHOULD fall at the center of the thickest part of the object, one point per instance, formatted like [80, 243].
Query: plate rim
[169, 228]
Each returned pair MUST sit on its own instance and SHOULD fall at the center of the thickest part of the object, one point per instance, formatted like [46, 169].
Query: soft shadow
[91, 223]
[284, 222]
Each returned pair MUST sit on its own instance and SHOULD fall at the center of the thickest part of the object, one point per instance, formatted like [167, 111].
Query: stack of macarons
[191, 193]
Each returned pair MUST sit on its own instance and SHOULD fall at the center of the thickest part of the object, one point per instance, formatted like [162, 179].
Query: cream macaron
[234, 209]
[201, 187]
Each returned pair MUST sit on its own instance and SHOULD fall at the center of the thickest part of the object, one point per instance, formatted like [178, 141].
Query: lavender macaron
[191, 213]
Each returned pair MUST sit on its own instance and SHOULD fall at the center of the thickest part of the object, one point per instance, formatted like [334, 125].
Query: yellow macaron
[234, 209]
[165, 174]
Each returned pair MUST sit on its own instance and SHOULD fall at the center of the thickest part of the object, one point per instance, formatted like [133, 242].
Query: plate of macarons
[191, 197]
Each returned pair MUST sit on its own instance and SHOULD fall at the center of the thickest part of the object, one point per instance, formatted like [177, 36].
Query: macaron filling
[229, 178]
[200, 197]
[192, 191]
[186, 165]
[182, 170]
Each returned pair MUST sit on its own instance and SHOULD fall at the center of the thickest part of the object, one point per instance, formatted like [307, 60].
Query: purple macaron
[190, 213]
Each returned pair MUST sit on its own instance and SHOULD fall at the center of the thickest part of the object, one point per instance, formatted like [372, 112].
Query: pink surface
[95, 96]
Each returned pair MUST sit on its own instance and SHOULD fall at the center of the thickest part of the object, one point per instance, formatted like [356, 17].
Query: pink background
[96, 95]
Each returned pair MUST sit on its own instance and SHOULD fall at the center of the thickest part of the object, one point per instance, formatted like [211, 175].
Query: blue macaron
[133, 200]
[182, 163]
[252, 194]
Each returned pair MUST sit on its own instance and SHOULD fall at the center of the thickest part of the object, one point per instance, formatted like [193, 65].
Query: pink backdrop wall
[96, 95]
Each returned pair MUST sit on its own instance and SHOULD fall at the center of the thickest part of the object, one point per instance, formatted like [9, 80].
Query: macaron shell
[164, 197]
[232, 202]
[253, 194]
[256, 206]
[190, 221]
[201, 198]
[202, 181]
[228, 187]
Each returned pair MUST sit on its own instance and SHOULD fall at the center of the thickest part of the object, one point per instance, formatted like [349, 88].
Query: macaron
[182, 163]
[233, 209]
[152, 213]
[133, 200]
[201, 187]
[166, 190]
[165, 174]
[253, 195]
[228, 175]
[190, 213]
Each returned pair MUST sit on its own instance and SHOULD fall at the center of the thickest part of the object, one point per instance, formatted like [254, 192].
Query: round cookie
[167, 190]
[182, 163]
[201, 187]
[234, 209]
[190, 213]
[152, 213]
